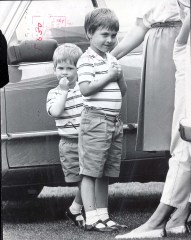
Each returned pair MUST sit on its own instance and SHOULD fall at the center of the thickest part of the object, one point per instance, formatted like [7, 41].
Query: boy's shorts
[100, 144]
[68, 150]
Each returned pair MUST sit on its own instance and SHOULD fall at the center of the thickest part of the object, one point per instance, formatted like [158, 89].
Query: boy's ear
[89, 35]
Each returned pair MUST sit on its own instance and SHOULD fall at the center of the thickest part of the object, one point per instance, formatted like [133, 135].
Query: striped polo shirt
[91, 67]
[68, 123]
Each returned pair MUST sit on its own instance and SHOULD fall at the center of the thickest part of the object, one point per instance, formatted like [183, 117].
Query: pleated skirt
[156, 102]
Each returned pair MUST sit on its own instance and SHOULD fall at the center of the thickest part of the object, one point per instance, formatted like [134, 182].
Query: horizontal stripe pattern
[91, 67]
[69, 122]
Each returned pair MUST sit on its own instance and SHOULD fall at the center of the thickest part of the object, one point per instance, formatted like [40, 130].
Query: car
[29, 138]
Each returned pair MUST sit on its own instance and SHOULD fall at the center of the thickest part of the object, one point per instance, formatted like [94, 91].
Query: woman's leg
[180, 217]
[177, 186]
[155, 225]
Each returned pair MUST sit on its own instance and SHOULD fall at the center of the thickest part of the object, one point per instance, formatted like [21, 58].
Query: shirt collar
[76, 88]
[93, 54]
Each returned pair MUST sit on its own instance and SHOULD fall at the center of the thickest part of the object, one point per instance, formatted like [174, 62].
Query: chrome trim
[10, 136]
[130, 126]
[4, 137]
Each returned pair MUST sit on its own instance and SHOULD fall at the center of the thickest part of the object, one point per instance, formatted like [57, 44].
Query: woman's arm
[184, 32]
[132, 39]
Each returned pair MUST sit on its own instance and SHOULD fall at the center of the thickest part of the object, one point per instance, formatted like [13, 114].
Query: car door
[30, 135]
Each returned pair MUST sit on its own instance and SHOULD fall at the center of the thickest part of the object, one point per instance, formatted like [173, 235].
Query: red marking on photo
[38, 27]
[57, 21]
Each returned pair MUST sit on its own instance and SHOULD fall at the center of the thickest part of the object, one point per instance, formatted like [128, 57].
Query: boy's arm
[56, 104]
[89, 85]
[121, 81]
[132, 39]
[122, 85]
[56, 101]
[90, 88]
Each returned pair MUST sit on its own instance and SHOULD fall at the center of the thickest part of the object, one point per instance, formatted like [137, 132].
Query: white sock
[76, 208]
[103, 215]
[92, 217]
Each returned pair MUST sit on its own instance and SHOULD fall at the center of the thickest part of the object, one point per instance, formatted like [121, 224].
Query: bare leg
[75, 210]
[158, 219]
[101, 192]
[180, 217]
[88, 193]
[155, 225]
[89, 201]
[78, 198]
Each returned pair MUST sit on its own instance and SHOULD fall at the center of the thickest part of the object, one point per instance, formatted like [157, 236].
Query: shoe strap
[96, 223]
[78, 214]
[107, 220]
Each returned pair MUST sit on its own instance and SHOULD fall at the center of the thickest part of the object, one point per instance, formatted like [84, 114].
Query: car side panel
[26, 101]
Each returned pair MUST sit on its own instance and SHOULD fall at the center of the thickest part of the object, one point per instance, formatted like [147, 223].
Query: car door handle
[32, 134]
[130, 126]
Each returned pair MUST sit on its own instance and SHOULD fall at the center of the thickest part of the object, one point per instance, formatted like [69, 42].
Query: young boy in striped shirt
[102, 85]
[65, 104]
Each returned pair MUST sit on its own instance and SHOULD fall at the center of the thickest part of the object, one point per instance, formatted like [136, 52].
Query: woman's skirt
[156, 101]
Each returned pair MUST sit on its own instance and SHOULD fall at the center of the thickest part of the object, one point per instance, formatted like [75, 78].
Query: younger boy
[101, 130]
[64, 103]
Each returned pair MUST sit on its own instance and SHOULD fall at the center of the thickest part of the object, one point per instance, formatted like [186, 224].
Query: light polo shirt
[91, 67]
[68, 123]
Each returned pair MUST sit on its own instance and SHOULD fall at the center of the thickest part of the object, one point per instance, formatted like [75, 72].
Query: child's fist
[113, 72]
[64, 84]
[120, 72]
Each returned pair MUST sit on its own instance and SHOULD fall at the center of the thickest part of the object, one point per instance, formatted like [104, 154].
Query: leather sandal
[77, 219]
[115, 225]
[93, 227]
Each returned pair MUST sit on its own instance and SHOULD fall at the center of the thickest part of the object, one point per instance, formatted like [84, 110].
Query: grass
[44, 217]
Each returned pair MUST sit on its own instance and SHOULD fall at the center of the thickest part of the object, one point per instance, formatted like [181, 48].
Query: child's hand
[115, 71]
[64, 84]
[120, 72]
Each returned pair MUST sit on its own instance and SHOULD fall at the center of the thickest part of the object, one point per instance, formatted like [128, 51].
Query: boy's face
[68, 70]
[102, 40]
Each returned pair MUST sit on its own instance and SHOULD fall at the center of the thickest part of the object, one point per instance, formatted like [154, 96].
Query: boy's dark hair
[101, 18]
[67, 52]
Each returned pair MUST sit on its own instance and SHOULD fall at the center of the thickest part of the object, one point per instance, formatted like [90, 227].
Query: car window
[61, 21]
[53, 19]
